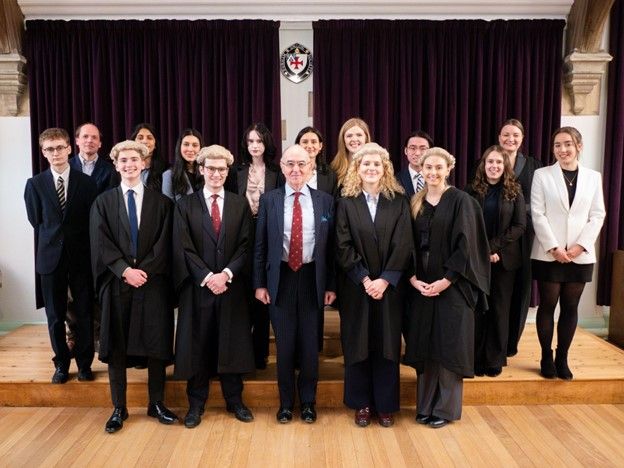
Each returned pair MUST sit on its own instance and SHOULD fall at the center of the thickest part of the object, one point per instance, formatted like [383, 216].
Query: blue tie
[134, 223]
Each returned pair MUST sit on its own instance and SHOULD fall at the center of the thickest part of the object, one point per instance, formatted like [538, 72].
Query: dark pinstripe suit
[296, 297]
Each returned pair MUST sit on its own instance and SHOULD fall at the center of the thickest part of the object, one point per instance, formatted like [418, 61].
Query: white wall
[17, 294]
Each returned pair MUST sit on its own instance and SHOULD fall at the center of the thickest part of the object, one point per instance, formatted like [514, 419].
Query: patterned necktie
[295, 251]
[215, 215]
[60, 191]
[134, 223]
[420, 182]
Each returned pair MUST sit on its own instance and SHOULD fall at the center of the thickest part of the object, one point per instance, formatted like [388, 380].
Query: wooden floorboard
[25, 371]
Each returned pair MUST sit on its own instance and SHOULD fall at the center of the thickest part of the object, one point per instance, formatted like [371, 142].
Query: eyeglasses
[290, 165]
[414, 148]
[52, 149]
[212, 169]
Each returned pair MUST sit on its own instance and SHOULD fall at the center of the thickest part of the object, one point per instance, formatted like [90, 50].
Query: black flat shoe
[161, 412]
[547, 369]
[115, 422]
[193, 418]
[437, 423]
[563, 371]
[422, 418]
[284, 415]
[241, 412]
[308, 413]
[494, 371]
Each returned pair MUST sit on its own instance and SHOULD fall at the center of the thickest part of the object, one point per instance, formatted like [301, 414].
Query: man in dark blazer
[58, 202]
[410, 178]
[212, 238]
[130, 229]
[89, 141]
[293, 273]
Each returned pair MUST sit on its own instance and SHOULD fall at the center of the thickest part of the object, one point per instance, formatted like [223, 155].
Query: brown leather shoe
[385, 419]
[363, 417]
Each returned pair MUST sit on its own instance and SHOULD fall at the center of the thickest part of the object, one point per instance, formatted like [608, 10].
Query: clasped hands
[217, 283]
[135, 277]
[430, 289]
[375, 288]
[566, 256]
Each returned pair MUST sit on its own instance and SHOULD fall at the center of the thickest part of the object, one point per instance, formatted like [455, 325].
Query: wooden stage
[598, 367]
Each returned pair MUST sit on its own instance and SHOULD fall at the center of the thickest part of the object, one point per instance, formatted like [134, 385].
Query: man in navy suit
[89, 141]
[293, 273]
[410, 178]
[58, 202]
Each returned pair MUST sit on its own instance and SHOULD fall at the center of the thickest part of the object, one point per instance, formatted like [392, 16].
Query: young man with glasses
[57, 203]
[410, 178]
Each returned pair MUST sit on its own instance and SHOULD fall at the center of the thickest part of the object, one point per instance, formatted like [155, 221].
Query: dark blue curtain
[458, 80]
[216, 76]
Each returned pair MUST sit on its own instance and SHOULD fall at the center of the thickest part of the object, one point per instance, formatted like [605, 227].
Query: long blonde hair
[340, 163]
[388, 185]
[417, 200]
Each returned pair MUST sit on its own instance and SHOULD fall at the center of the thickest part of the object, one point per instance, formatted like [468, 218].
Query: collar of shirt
[208, 195]
[313, 180]
[370, 198]
[412, 172]
[138, 188]
[86, 162]
[305, 190]
[64, 174]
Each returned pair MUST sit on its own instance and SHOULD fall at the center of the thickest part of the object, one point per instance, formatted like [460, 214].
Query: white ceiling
[293, 10]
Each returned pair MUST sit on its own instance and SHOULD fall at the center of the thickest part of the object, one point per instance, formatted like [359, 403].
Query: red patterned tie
[215, 215]
[295, 252]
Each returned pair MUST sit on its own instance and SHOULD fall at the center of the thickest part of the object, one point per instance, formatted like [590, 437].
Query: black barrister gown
[380, 249]
[149, 331]
[197, 251]
[441, 328]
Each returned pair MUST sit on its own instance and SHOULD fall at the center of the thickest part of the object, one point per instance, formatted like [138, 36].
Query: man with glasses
[57, 203]
[293, 273]
[212, 238]
[411, 178]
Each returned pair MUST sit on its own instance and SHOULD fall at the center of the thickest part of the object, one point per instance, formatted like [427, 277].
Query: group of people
[237, 247]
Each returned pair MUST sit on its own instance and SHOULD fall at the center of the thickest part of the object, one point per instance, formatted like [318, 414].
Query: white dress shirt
[139, 189]
[307, 212]
[313, 182]
[65, 176]
[221, 197]
[371, 201]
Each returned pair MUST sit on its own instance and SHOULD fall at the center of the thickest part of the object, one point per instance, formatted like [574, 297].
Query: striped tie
[60, 191]
[420, 182]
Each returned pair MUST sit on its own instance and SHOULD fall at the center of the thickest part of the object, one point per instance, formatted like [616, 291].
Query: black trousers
[54, 289]
[260, 327]
[492, 328]
[373, 383]
[295, 316]
[439, 392]
[206, 359]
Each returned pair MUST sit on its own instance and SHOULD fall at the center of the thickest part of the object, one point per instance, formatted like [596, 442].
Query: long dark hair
[179, 171]
[267, 139]
[480, 185]
[321, 162]
[158, 165]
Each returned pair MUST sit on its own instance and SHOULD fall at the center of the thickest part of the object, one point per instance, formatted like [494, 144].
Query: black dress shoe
[308, 413]
[159, 410]
[261, 364]
[193, 417]
[60, 375]
[436, 422]
[561, 366]
[284, 415]
[241, 412]
[479, 371]
[86, 375]
[422, 418]
[115, 422]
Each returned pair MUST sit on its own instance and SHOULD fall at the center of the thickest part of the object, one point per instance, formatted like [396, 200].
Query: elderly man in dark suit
[211, 242]
[58, 202]
[410, 178]
[293, 272]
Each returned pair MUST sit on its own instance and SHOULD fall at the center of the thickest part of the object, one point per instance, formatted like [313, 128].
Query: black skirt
[556, 272]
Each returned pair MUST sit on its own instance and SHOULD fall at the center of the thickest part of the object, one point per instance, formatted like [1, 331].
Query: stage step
[25, 371]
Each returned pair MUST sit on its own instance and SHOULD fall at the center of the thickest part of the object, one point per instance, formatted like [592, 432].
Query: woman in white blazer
[567, 208]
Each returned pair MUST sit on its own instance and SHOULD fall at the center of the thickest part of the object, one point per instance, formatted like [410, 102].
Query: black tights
[568, 294]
